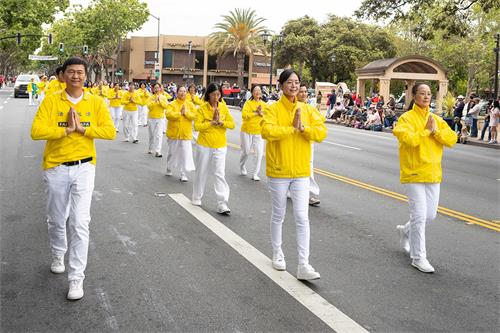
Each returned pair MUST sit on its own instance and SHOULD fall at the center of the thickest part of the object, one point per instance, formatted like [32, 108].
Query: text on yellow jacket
[420, 151]
[251, 120]
[50, 124]
[130, 100]
[180, 127]
[288, 151]
[157, 104]
[213, 136]
[115, 98]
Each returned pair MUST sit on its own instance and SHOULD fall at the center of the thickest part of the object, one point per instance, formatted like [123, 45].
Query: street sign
[157, 73]
[119, 73]
[39, 58]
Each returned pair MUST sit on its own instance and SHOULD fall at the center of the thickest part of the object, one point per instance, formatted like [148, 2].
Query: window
[149, 59]
[199, 58]
[167, 58]
[212, 62]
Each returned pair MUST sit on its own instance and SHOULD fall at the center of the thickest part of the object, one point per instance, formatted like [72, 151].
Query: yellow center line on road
[493, 225]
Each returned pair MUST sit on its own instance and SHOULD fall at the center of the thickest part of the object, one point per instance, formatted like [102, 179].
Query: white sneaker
[57, 266]
[279, 263]
[183, 178]
[223, 209]
[243, 171]
[314, 201]
[196, 202]
[256, 178]
[307, 272]
[423, 265]
[75, 290]
[169, 172]
[404, 240]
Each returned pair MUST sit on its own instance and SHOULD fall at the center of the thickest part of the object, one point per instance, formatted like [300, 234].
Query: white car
[21, 85]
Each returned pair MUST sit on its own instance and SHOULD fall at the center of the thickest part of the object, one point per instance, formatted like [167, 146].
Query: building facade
[185, 60]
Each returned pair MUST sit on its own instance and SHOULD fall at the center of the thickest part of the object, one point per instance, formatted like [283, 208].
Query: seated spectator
[374, 123]
[389, 117]
[337, 110]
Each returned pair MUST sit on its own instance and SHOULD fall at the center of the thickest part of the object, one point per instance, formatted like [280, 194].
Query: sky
[197, 17]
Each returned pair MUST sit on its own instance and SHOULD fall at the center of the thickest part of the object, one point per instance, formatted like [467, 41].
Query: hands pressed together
[215, 120]
[74, 123]
[297, 122]
[431, 124]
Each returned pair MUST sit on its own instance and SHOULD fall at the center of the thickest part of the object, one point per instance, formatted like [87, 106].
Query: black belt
[84, 160]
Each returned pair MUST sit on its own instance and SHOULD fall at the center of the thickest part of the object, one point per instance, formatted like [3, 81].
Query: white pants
[313, 187]
[218, 158]
[116, 114]
[180, 156]
[155, 129]
[299, 191]
[247, 141]
[69, 194]
[423, 200]
[143, 114]
[164, 122]
[31, 97]
[130, 124]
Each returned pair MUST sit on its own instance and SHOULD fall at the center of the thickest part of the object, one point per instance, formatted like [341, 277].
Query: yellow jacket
[42, 85]
[196, 100]
[50, 124]
[213, 136]
[55, 86]
[128, 105]
[288, 152]
[251, 120]
[420, 152]
[115, 97]
[180, 127]
[166, 94]
[29, 88]
[144, 96]
[157, 109]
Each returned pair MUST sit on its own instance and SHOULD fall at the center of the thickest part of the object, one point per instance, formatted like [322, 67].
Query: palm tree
[239, 33]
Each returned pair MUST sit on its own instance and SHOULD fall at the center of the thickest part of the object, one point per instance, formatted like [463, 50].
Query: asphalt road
[154, 267]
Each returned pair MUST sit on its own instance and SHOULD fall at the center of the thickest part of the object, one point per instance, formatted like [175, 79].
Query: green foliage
[239, 33]
[448, 105]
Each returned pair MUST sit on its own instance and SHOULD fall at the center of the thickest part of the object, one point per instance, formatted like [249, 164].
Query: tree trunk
[301, 67]
[470, 81]
[241, 65]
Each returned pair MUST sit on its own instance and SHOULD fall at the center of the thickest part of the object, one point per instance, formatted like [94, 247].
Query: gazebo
[410, 69]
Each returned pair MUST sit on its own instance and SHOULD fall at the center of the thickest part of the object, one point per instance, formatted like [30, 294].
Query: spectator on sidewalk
[473, 113]
[459, 107]
[494, 116]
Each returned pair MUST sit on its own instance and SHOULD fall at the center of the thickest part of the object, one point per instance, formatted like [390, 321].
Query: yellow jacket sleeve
[316, 130]
[42, 128]
[172, 113]
[444, 134]
[229, 121]
[104, 129]
[408, 134]
[200, 123]
[190, 111]
[271, 131]
[247, 113]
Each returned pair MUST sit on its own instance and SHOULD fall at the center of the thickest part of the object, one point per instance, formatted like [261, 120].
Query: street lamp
[333, 58]
[496, 49]
[266, 36]
[157, 57]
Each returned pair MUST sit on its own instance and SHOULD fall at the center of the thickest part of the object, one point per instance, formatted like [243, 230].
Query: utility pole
[497, 50]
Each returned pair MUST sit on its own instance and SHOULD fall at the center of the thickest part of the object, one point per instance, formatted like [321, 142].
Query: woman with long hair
[180, 115]
[421, 137]
[289, 127]
[212, 120]
[250, 133]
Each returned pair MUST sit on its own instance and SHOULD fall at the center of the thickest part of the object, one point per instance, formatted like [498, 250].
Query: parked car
[21, 85]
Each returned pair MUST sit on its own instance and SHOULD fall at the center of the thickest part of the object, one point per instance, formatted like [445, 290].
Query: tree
[25, 18]
[449, 16]
[239, 33]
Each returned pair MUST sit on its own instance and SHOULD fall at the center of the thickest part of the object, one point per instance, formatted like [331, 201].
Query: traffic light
[85, 50]
[61, 47]
[18, 38]
[49, 38]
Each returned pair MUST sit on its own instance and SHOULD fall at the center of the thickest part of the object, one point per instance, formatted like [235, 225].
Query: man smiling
[70, 120]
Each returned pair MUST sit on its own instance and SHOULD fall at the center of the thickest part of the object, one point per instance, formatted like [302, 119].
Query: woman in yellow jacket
[142, 105]
[180, 115]
[42, 87]
[192, 97]
[289, 127]
[212, 120]
[130, 100]
[157, 104]
[421, 137]
[250, 133]
[114, 96]
[32, 89]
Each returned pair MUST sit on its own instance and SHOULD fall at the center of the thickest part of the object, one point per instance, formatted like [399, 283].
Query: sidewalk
[471, 141]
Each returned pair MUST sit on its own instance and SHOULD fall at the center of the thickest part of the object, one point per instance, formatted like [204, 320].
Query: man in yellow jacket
[421, 137]
[56, 83]
[42, 87]
[130, 100]
[70, 121]
[212, 120]
[180, 115]
[289, 127]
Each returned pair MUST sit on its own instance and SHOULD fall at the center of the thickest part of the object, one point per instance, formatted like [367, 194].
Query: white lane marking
[358, 132]
[341, 145]
[328, 313]
[110, 317]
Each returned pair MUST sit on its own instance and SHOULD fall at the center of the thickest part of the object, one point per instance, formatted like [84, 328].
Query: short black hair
[210, 89]
[179, 87]
[286, 74]
[59, 69]
[251, 90]
[74, 61]
[303, 85]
